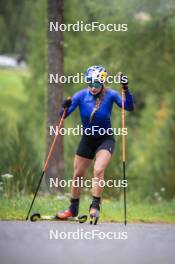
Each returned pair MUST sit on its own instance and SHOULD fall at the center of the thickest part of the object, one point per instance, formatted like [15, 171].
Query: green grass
[12, 94]
[112, 211]
[11, 83]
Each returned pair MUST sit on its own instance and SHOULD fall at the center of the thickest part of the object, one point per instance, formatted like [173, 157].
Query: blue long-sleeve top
[102, 118]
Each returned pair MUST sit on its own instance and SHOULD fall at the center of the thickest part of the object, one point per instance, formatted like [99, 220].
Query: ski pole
[60, 123]
[124, 154]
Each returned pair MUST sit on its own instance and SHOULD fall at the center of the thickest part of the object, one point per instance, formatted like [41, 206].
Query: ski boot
[94, 214]
[64, 215]
[71, 212]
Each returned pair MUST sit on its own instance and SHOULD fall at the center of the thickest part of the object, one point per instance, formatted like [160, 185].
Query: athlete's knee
[78, 172]
[98, 171]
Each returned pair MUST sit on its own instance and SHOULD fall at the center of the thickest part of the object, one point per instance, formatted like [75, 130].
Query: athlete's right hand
[67, 102]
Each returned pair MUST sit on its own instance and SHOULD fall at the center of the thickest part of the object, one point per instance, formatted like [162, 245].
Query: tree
[55, 91]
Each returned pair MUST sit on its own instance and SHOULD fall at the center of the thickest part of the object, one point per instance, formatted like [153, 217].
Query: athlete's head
[95, 76]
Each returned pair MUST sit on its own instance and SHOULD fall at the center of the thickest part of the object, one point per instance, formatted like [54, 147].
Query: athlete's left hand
[123, 81]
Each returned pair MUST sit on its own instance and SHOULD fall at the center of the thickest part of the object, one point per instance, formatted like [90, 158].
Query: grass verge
[112, 211]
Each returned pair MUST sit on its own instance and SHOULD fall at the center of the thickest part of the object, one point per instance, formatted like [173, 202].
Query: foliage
[146, 53]
[22, 115]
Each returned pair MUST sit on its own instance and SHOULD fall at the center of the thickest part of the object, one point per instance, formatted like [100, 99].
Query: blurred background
[146, 53]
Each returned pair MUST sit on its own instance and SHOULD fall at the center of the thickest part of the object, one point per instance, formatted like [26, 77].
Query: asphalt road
[60, 242]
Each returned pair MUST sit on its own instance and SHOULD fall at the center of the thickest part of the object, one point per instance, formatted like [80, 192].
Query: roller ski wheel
[82, 218]
[94, 215]
[35, 217]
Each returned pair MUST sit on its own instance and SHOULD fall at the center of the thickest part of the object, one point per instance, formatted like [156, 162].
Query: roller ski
[60, 216]
[68, 215]
[94, 214]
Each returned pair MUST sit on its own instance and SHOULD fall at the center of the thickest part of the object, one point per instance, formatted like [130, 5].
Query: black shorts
[89, 145]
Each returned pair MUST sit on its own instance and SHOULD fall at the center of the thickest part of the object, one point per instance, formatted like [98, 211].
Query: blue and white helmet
[95, 74]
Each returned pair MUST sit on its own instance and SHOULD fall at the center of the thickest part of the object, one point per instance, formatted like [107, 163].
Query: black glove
[124, 81]
[67, 102]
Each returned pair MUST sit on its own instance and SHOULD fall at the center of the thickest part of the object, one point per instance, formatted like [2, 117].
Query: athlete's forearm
[129, 102]
[68, 112]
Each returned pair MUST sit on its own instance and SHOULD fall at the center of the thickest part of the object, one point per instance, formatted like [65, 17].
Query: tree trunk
[55, 92]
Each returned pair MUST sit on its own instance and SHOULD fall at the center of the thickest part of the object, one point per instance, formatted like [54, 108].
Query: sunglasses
[96, 85]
